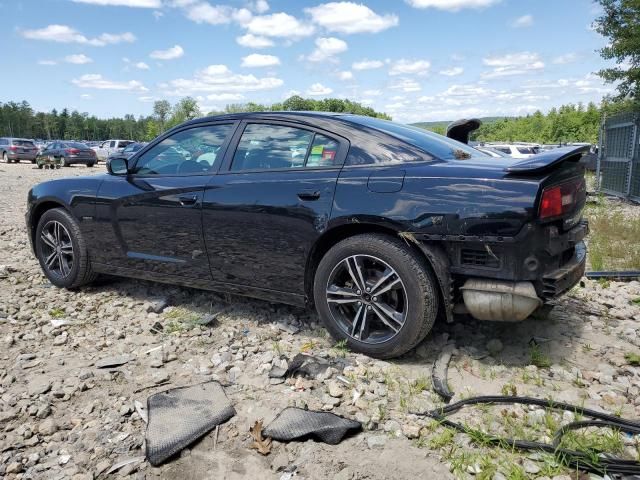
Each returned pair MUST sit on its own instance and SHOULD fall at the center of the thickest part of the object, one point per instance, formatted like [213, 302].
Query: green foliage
[568, 123]
[20, 120]
[620, 24]
[538, 358]
[632, 359]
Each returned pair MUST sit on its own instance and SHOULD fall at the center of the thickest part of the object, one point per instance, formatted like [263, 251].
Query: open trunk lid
[549, 160]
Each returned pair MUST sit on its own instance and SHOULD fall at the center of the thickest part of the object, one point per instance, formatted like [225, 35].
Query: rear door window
[265, 146]
[23, 143]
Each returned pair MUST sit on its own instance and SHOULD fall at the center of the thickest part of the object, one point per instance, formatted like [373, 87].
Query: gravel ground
[62, 417]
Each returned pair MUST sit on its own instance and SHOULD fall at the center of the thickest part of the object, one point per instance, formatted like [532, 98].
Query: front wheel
[61, 250]
[376, 293]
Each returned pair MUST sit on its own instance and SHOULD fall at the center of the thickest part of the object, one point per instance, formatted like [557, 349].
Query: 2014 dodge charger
[382, 226]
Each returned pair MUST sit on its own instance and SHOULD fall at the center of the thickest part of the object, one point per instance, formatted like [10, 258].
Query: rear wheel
[90, 165]
[376, 293]
[62, 251]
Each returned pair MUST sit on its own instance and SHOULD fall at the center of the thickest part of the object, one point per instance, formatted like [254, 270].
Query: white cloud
[204, 12]
[258, 60]
[225, 97]
[512, 64]
[219, 79]
[141, 66]
[523, 21]
[327, 48]
[345, 75]
[157, 14]
[350, 17]
[566, 58]
[280, 25]
[124, 3]
[406, 85]
[410, 67]
[317, 89]
[452, 72]
[146, 99]
[170, 54]
[372, 93]
[451, 5]
[367, 65]
[47, 62]
[66, 34]
[86, 96]
[79, 59]
[94, 80]
[260, 6]
[254, 41]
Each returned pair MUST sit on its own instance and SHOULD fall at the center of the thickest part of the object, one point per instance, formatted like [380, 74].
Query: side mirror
[118, 166]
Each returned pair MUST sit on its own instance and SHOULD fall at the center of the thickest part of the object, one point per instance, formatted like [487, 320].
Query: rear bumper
[22, 156]
[563, 279]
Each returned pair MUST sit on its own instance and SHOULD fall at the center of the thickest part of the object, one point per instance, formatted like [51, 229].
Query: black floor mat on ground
[294, 423]
[179, 416]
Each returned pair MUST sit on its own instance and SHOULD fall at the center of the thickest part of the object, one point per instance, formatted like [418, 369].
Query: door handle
[188, 200]
[309, 195]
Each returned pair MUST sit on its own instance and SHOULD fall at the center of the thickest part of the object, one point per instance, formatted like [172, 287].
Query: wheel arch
[40, 210]
[433, 254]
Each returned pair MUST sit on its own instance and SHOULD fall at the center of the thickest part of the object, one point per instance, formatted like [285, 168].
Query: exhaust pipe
[499, 301]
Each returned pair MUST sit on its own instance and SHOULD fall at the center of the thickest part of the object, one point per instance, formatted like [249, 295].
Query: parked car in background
[516, 150]
[383, 227]
[108, 147]
[492, 152]
[16, 149]
[128, 151]
[61, 153]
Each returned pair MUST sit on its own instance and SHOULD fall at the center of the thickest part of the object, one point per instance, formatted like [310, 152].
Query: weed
[277, 347]
[308, 346]
[509, 390]
[382, 412]
[175, 327]
[635, 301]
[632, 359]
[341, 348]
[419, 385]
[57, 312]
[538, 358]
[180, 320]
[586, 348]
[604, 283]
[442, 439]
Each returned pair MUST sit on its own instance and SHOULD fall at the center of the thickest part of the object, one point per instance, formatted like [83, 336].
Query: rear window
[432, 143]
[23, 143]
[74, 145]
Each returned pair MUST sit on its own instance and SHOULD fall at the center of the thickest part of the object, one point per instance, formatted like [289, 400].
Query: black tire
[40, 166]
[33, 161]
[80, 272]
[417, 279]
[90, 165]
[65, 163]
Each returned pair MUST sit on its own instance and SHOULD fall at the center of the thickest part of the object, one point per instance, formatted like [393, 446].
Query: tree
[161, 110]
[620, 23]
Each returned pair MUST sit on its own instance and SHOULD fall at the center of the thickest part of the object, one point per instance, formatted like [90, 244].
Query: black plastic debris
[303, 365]
[295, 423]
[440, 373]
[180, 416]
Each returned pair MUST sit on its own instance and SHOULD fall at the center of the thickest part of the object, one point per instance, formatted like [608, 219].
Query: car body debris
[298, 424]
[180, 416]
[439, 373]
[123, 463]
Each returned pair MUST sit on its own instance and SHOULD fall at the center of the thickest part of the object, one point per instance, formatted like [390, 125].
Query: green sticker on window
[317, 150]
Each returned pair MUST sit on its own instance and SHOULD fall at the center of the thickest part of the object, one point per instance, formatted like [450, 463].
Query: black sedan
[60, 153]
[384, 227]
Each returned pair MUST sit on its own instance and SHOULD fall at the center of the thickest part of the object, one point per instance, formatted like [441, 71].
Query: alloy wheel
[57, 249]
[367, 299]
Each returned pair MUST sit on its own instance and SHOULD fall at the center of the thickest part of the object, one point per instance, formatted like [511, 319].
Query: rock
[111, 362]
[376, 441]
[160, 376]
[14, 467]
[280, 461]
[157, 305]
[411, 431]
[344, 474]
[39, 387]
[530, 467]
[420, 405]
[494, 346]
[285, 327]
[335, 389]
[61, 339]
[64, 459]
[47, 427]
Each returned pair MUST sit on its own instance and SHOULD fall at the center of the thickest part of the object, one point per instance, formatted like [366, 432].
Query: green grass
[57, 312]
[180, 319]
[538, 358]
[613, 241]
[341, 348]
[632, 359]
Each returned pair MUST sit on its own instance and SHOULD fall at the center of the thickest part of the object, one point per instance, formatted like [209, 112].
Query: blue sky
[414, 59]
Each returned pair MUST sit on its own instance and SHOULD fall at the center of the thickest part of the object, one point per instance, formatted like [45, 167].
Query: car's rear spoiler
[548, 160]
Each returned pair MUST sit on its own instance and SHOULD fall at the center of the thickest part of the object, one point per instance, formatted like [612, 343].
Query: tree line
[18, 119]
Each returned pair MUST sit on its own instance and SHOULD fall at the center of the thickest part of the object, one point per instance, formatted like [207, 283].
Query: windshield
[432, 143]
[74, 145]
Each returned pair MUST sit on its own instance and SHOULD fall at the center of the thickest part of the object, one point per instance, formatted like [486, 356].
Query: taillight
[13, 148]
[72, 151]
[560, 199]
